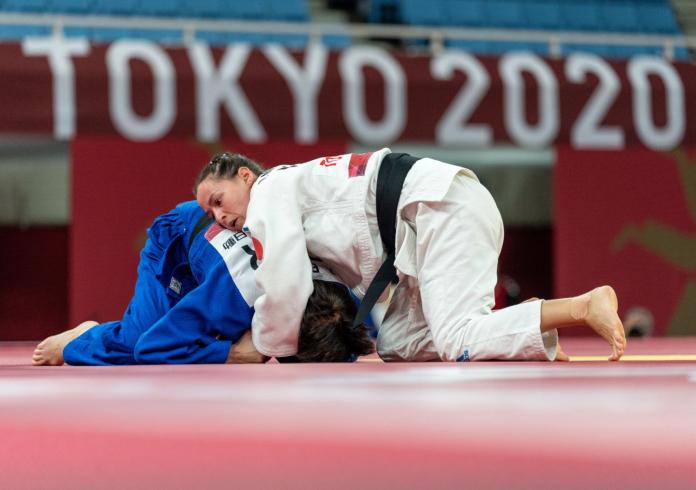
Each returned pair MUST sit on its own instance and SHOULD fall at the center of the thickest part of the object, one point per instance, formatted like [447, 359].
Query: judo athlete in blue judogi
[192, 298]
[193, 304]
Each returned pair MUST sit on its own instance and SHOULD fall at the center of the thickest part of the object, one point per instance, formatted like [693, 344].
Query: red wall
[629, 219]
[33, 285]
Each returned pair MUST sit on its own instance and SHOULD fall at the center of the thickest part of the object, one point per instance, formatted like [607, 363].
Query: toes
[615, 352]
[620, 342]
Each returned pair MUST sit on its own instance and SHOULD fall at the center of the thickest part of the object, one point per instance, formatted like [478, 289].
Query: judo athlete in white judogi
[358, 212]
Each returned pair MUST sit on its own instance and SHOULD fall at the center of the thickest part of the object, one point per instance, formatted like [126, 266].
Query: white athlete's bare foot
[50, 351]
[598, 309]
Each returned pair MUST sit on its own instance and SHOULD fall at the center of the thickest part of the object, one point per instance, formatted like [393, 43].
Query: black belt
[390, 181]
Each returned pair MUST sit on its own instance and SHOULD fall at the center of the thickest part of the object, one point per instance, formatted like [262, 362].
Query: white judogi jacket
[325, 209]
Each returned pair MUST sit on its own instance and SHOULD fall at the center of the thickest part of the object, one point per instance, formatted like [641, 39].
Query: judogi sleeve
[202, 326]
[274, 221]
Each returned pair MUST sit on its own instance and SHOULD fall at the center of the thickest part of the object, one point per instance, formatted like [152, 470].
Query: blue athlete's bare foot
[50, 351]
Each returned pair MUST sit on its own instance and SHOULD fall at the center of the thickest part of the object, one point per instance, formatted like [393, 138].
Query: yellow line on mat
[629, 358]
[641, 357]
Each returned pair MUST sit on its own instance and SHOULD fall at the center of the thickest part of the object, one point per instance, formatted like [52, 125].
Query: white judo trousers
[441, 309]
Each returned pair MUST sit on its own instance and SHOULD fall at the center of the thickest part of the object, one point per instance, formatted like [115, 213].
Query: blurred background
[578, 115]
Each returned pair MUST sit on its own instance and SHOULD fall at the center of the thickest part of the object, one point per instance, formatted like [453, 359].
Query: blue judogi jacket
[193, 298]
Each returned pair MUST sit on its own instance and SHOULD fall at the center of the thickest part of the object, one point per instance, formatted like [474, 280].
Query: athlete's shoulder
[189, 211]
[235, 250]
[279, 175]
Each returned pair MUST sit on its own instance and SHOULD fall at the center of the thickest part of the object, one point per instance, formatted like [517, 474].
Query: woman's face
[227, 199]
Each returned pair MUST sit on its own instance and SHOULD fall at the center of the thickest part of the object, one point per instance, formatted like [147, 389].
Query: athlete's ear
[247, 175]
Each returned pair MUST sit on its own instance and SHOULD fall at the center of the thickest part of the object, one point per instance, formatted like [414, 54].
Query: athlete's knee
[389, 354]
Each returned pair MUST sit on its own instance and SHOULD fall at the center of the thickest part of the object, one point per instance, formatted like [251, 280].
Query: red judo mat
[580, 425]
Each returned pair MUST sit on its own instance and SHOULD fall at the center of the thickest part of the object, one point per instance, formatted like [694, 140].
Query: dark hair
[225, 166]
[327, 333]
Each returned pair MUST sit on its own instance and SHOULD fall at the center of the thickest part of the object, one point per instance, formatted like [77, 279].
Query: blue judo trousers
[193, 298]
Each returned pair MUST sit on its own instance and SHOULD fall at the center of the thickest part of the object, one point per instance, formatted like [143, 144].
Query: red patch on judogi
[213, 231]
[358, 162]
[258, 248]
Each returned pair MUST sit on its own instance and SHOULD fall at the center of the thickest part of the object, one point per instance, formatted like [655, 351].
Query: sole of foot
[603, 318]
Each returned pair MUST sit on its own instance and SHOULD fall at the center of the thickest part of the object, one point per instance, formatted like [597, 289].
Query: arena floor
[579, 425]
